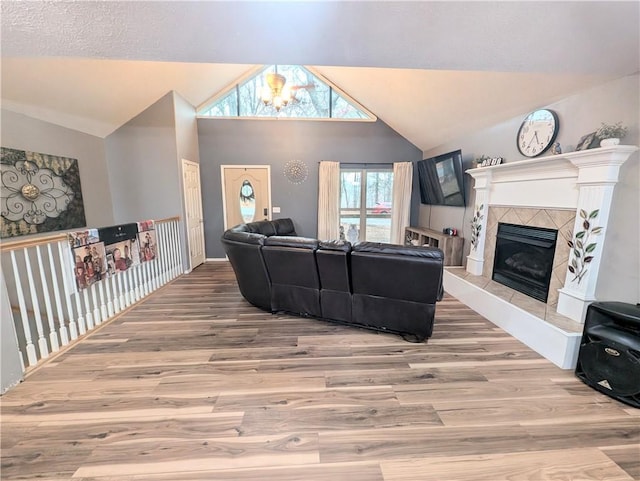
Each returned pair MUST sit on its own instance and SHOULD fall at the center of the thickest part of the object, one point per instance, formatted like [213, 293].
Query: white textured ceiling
[431, 70]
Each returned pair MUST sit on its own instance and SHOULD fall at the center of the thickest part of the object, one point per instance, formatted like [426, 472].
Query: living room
[131, 171]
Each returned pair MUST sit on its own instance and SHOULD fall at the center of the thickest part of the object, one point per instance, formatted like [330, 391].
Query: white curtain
[329, 200]
[402, 179]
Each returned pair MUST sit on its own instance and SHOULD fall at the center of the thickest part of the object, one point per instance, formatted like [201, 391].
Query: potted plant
[610, 134]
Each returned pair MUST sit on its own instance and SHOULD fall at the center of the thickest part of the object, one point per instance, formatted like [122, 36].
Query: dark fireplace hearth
[524, 259]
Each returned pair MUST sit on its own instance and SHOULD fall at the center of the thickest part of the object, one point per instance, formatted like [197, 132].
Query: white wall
[10, 364]
[579, 114]
[187, 148]
[143, 169]
[144, 159]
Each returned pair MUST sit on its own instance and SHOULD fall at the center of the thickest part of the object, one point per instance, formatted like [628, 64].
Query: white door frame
[224, 191]
[184, 163]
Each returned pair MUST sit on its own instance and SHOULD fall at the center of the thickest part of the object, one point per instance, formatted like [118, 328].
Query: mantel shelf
[558, 161]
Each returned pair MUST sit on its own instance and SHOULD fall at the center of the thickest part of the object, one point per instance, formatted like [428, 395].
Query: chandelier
[276, 93]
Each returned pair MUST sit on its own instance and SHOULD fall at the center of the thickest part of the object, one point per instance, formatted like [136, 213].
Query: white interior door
[193, 211]
[246, 193]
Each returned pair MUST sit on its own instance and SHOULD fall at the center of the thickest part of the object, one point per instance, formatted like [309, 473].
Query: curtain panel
[329, 200]
[402, 180]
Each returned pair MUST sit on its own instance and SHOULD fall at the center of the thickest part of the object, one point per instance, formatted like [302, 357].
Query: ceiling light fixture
[276, 93]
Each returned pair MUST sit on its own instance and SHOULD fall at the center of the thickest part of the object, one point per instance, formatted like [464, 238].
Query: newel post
[475, 259]
[597, 176]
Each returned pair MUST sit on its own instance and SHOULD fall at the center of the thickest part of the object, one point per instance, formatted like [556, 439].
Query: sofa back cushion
[291, 263]
[400, 272]
[268, 227]
[264, 227]
[291, 260]
[333, 259]
[284, 226]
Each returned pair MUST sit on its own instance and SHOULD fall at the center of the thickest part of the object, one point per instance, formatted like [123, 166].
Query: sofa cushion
[283, 226]
[264, 227]
[290, 241]
[244, 236]
[335, 245]
[414, 251]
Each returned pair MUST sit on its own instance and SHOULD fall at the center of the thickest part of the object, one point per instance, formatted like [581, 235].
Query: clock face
[537, 132]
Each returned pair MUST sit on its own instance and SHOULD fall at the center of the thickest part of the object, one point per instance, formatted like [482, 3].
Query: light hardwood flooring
[196, 384]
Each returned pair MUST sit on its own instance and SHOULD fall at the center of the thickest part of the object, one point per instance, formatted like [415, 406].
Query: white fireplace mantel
[582, 181]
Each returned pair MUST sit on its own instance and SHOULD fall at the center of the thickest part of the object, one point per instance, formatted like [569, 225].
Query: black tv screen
[442, 180]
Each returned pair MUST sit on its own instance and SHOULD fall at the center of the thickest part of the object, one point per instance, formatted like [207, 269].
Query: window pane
[341, 108]
[378, 200]
[371, 221]
[350, 195]
[227, 106]
[312, 98]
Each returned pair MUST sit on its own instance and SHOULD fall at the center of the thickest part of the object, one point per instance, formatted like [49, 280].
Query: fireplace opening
[524, 259]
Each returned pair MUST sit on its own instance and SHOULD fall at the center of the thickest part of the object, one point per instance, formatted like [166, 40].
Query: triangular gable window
[305, 95]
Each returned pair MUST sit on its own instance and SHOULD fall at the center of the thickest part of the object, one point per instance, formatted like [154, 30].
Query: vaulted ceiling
[431, 70]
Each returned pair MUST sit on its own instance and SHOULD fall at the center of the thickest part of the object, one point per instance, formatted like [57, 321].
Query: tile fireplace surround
[561, 192]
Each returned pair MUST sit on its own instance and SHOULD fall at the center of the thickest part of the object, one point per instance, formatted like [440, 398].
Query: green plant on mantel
[476, 226]
[611, 131]
[581, 246]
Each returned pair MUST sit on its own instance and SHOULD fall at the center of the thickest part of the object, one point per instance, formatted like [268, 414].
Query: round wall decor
[296, 171]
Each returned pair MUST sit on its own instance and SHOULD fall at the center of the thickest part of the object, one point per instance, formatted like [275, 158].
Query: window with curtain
[366, 196]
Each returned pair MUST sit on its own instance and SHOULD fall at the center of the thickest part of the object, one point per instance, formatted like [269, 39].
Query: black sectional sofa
[378, 286]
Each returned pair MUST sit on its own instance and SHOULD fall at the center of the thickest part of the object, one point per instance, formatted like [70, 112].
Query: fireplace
[524, 258]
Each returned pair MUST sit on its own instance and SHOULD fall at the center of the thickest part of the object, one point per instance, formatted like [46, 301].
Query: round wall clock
[537, 132]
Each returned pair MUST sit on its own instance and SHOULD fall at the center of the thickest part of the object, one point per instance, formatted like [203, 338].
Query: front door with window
[365, 204]
[246, 194]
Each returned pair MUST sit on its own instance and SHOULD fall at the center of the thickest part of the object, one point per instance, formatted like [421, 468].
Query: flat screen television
[442, 180]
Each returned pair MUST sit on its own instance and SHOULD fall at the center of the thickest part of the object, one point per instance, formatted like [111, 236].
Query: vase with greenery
[610, 134]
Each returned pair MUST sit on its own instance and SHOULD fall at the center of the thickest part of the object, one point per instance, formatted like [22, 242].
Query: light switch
[275, 210]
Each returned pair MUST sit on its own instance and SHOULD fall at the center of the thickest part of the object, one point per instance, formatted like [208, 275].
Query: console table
[452, 246]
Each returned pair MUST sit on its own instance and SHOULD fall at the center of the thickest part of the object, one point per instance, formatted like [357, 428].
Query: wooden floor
[195, 384]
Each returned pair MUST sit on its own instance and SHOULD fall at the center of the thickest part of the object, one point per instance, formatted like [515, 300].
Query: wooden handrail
[35, 241]
[168, 219]
[31, 242]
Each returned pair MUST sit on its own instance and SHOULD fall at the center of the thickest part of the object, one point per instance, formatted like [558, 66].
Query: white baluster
[32, 356]
[97, 318]
[65, 267]
[145, 278]
[104, 313]
[128, 298]
[167, 252]
[110, 309]
[87, 309]
[136, 281]
[64, 336]
[116, 294]
[162, 248]
[123, 289]
[42, 341]
[172, 250]
[82, 321]
[53, 335]
[154, 270]
[179, 249]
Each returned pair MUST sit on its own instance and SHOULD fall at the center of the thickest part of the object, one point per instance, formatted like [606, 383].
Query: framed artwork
[38, 193]
[585, 141]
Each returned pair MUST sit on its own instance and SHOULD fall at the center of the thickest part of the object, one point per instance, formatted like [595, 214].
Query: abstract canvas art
[39, 193]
